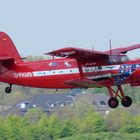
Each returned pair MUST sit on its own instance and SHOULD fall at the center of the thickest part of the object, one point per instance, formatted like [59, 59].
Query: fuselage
[56, 72]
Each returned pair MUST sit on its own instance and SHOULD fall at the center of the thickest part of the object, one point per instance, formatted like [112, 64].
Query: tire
[127, 101]
[113, 102]
[8, 90]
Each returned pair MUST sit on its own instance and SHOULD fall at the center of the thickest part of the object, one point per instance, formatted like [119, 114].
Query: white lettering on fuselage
[90, 64]
[65, 71]
[75, 70]
[23, 74]
[101, 68]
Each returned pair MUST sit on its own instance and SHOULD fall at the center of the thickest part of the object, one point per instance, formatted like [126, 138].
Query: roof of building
[53, 102]
[47, 101]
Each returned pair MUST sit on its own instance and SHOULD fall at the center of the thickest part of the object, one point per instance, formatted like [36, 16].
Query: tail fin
[8, 49]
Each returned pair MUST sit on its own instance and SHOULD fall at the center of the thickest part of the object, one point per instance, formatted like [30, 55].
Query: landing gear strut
[8, 89]
[113, 101]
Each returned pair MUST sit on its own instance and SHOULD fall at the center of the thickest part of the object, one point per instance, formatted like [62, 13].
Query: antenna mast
[110, 46]
[92, 48]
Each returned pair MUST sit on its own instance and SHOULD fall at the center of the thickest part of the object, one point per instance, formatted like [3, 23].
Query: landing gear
[113, 101]
[8, 89]
[127, 101]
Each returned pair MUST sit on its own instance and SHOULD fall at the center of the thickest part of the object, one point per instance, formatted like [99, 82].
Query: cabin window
[117, 59]
[124, 58]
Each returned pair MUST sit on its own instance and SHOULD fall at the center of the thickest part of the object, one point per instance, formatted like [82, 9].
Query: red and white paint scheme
[76, 68]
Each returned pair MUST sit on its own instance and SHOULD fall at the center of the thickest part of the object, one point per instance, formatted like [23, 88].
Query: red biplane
[77, 68]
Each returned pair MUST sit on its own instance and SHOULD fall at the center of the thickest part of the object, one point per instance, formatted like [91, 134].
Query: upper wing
[85, 53]
[123, 50]
[77, 52]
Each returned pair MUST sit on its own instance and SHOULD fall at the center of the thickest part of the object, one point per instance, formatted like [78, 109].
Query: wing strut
[80, 69]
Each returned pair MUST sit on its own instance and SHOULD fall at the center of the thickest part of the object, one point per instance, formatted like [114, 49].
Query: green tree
[68, 129]
[91, 122]
[136, 120]
[3, 131]
[34, 115]
[117, 119]
[54, 127]
[130, 129]
[14, 127]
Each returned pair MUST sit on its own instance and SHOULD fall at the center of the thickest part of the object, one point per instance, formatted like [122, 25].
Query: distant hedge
[105, 136]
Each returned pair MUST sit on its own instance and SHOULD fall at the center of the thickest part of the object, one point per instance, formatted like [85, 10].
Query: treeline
[80, 122]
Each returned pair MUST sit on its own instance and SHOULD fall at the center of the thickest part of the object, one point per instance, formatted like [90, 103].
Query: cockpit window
[117, 59]
[124, 58]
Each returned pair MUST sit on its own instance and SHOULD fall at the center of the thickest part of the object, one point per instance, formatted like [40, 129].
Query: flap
[84, 83]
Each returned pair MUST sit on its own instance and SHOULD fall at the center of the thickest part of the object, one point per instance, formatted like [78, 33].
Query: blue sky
[39, 26]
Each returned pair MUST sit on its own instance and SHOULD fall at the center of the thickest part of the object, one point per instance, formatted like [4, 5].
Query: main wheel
[113, 102]
[8, 90]
[127, 101]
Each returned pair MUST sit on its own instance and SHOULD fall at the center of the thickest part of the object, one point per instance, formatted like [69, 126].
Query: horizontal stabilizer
[3, 58]
[6, 62]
